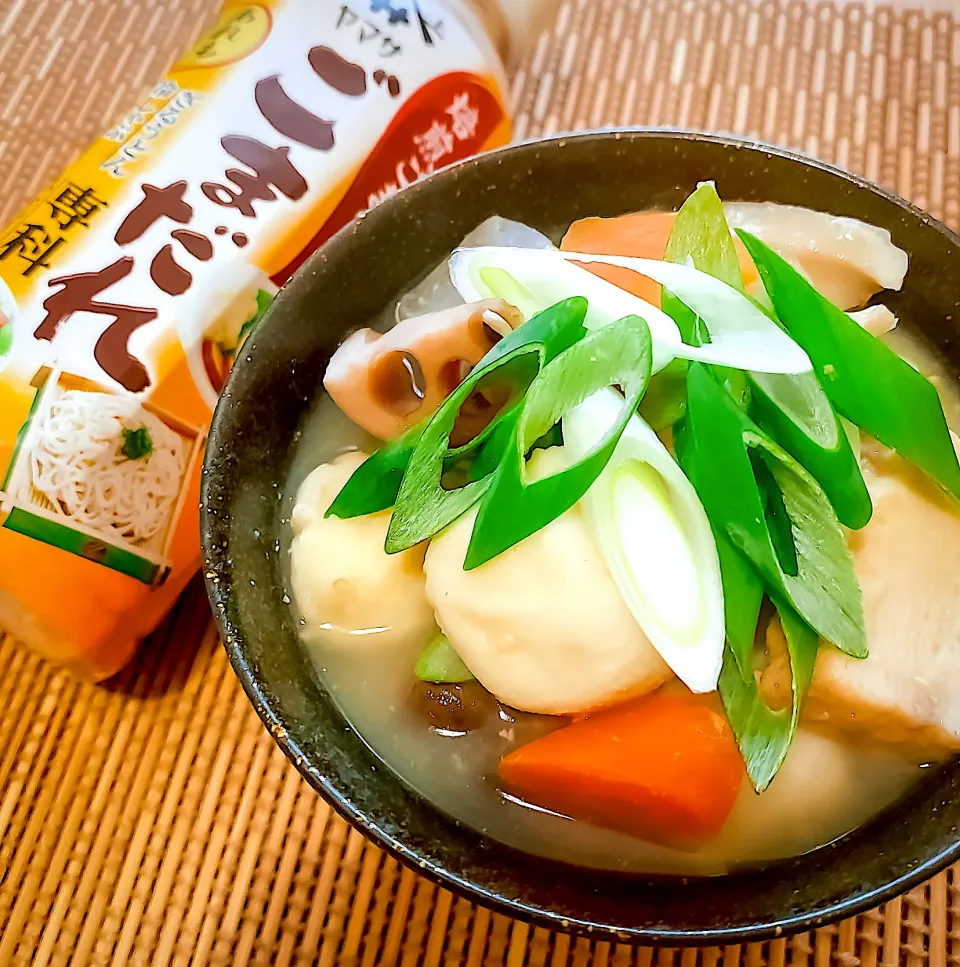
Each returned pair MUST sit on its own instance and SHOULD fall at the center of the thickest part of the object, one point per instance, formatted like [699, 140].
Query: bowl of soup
[582, 522]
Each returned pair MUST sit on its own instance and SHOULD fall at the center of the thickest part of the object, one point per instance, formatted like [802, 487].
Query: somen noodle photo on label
[105, 462]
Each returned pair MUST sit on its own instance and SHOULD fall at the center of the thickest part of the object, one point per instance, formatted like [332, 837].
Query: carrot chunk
[641, 235]
[664, 767]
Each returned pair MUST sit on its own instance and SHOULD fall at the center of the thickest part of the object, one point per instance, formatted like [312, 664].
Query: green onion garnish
[375, 485]
[514, 508]
[700, 237]
[423, 507]
[716, 442]
[440, 663]
[866, 381]
[764, 735]
[797, 413]
[137, 443]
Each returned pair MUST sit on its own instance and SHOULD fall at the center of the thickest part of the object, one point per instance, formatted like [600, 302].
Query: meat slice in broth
[907, 559]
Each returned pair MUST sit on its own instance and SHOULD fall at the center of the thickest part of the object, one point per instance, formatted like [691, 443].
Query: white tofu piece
[348, 590]
[543, 626]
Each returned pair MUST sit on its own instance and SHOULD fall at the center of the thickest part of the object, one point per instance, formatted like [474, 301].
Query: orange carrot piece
[641, 235]
[664, 767]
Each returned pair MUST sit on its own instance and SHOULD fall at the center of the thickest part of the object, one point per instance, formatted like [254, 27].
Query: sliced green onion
[741, 335]
[548, 277]
[440, 663]
[423, 506]
[796, 412]
[793, 409]
[867, 382]
[665, 400]
[764, 735]
[656, 540]
[718, 439]
[514, 508]
[502, 285]
[376, 483]
[742, 584]
[852, 432]
[742, 600]
[700, 237]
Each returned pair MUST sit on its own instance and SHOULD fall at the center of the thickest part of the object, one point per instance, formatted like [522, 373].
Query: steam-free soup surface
[825, 789]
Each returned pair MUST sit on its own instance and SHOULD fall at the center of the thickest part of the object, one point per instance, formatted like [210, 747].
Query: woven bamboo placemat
[153, 820]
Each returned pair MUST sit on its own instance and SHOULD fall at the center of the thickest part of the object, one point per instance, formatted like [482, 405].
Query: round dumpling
[347, 588]
[543, 625]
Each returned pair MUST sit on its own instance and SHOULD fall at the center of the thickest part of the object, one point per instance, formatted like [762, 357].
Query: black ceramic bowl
[365, 267]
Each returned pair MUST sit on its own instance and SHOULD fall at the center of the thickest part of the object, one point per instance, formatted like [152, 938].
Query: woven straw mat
[153, 820]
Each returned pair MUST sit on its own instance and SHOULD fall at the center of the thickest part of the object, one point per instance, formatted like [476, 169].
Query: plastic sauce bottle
[127, 289]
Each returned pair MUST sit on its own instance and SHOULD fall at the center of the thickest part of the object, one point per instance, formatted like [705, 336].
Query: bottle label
[127, 289]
